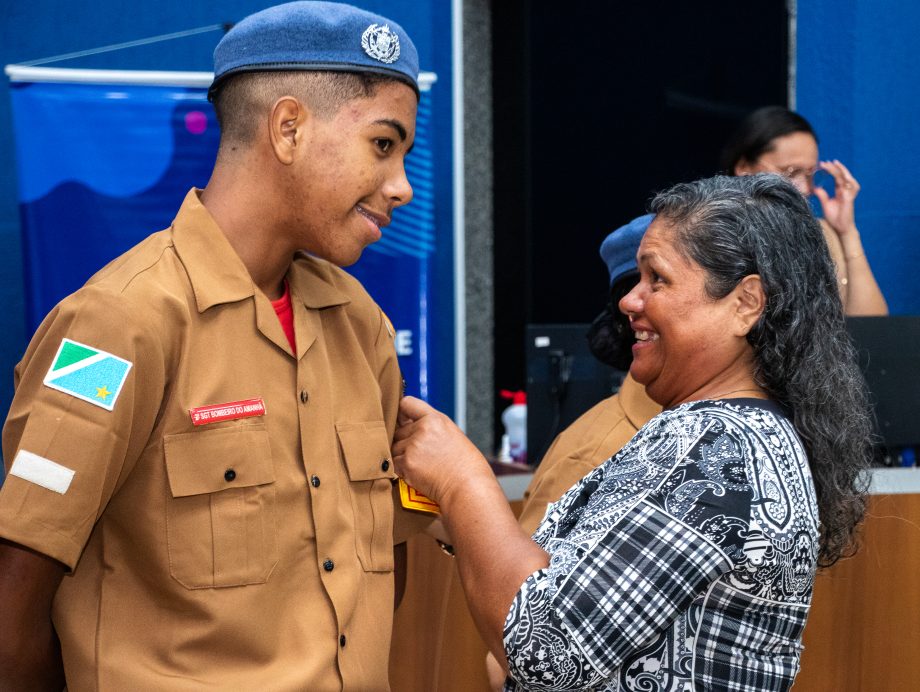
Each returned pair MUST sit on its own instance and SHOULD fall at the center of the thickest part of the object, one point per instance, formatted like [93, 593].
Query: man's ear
[287, 124]
[750, 303]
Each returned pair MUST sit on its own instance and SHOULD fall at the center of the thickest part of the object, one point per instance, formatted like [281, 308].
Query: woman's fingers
[849, 182]
[430, 452]
[844, 182]
[413, 409]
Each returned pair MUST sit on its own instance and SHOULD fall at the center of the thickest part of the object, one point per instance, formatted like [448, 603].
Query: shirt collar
[218, 275]
[313, 283]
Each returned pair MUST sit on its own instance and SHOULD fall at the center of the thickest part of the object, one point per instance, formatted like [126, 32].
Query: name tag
[214, 413]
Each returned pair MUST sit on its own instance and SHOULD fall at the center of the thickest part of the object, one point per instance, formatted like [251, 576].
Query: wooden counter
[862, 633]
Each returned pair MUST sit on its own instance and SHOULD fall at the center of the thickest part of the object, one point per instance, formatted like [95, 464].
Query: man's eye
[384, 144]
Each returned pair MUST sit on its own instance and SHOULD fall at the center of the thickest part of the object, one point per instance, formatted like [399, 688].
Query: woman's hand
[838, 210]
[494, 555]
[432, 454]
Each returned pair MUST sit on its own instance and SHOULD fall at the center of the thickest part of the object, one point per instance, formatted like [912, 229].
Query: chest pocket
[220, 516]
[366, 448]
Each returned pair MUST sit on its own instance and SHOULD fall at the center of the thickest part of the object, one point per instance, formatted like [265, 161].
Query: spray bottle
[514, 418]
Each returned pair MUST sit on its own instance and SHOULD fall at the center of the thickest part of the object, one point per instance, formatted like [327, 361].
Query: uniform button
[328, 565]
[229, 475]
[314, 481]
[385, 465]
[342, 640]
[304, 396]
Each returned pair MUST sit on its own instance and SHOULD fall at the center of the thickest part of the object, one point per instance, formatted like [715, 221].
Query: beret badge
[380, 43]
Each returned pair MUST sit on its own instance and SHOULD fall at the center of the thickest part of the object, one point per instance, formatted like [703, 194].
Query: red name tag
[229, 411]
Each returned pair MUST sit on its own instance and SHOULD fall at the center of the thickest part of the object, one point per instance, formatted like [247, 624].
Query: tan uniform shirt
[587, 443]
[242, 554]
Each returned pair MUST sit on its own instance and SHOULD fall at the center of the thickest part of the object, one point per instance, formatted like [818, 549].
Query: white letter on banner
[403, 342]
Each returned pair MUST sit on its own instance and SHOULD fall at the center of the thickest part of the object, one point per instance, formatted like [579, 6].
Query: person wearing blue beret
[200, 488]
[601, 431]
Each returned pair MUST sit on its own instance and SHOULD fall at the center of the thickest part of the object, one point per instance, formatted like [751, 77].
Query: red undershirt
[285, 312]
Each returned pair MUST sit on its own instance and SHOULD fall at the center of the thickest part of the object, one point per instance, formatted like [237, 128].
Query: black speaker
[889, 355]
[563, 381]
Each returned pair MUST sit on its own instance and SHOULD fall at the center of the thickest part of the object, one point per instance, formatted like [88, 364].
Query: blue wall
[41, 28]
[857, 84]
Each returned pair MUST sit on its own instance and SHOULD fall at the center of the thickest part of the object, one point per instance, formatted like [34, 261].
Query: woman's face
[688, 345]
[794, 156]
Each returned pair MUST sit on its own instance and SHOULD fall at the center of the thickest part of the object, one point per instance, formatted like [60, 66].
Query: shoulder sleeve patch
[44, 472]
[87, 373]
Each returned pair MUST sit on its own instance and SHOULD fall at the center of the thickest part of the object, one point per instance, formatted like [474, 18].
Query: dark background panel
[597, 107]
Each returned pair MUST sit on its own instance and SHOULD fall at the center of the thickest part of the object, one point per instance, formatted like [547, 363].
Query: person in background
[601, 431]
[199, 489]
[776, 140]
[686, 561]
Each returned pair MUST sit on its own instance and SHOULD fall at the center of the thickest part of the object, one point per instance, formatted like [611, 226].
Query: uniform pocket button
[385, 465]
[229, 475]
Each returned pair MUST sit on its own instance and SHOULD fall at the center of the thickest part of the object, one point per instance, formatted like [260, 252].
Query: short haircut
[244, 98]
[756, 134]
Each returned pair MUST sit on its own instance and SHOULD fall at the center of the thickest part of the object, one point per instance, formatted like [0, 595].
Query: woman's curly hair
[737, 226]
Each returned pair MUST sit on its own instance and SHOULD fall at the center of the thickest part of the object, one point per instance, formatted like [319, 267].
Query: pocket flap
[366, 448]
[209, 461]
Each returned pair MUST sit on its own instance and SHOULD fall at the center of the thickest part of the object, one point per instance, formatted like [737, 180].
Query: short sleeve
[87, 395]
[618, 597]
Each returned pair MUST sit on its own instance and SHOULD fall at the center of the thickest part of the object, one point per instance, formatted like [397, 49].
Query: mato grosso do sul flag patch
[88, 373]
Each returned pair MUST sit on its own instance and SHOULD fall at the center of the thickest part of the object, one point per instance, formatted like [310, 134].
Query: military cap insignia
[380, 43]
[87, 373]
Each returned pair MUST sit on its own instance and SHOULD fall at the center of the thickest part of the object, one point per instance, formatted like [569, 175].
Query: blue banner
[101, 166]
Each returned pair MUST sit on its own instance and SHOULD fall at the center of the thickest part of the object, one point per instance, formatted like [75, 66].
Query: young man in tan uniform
[199, 490]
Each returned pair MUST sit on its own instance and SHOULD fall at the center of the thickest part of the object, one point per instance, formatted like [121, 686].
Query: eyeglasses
[804, 176]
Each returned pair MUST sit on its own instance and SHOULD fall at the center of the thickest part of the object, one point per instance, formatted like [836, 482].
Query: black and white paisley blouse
[684, 562]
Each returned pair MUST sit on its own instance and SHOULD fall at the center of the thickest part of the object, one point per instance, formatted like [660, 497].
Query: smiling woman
[689, 345]
[688, 558]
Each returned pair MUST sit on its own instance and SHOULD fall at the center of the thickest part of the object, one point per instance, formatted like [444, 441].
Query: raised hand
[838, 210]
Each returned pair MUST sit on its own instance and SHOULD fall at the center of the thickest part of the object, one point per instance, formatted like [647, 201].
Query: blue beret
[620, 247]
[316, 36]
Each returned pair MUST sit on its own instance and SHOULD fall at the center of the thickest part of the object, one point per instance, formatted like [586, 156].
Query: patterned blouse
[684, 562]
